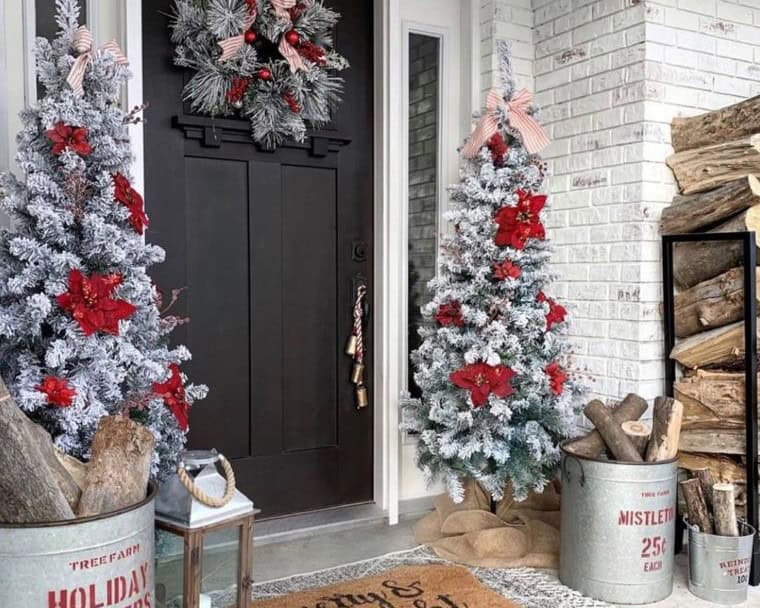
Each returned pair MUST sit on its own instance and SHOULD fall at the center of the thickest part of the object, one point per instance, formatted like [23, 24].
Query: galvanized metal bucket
[618, 527]
[92, 562]
[719, 565]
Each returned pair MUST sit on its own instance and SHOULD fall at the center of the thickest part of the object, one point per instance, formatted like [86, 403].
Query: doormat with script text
[525, 587]
[430, 586]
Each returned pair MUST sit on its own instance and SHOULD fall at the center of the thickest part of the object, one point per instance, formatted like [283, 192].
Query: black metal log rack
[750, 361]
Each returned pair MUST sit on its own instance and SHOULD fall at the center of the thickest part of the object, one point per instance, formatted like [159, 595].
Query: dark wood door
[270, 246]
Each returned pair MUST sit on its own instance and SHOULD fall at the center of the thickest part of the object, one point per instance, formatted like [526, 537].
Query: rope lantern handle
[203, 497]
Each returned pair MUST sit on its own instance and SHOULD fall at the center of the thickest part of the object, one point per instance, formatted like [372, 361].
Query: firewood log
[638, 432]
[667, 416]
[707, 482]
[722, 468]
[118, 473]
[708, 167]
[694, 212]
[712, 303]
[592, 445]
[711, 400]
[64, 479]
[719, 347]
[696, 506]
[76, 468]
[713, 441]
[702, 260]
[617, 441]
[724, 510]
[29, 490]
[731, 122]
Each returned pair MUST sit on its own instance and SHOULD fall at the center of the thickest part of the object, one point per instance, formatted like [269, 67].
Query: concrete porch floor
[336, 548]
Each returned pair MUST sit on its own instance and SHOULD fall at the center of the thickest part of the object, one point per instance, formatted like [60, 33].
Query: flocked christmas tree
[81, 333]
[496, 396]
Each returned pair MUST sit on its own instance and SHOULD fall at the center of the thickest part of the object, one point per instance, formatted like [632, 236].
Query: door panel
[216, 259]
[309, 272]
[263, 242]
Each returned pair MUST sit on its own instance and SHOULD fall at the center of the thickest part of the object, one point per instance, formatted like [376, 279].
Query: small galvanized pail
[719, 565]
[618, 527]
[93, 562]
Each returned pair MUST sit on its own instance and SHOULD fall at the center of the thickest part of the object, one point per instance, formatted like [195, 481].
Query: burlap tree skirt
[516, 534]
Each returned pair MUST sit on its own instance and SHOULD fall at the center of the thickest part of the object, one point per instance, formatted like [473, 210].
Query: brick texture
[423, 180]
[609, 76]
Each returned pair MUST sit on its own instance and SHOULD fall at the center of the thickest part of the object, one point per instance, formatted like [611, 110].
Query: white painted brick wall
[610, 75]
[506, 20]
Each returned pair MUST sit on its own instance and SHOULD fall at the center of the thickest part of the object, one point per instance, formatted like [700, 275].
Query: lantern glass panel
[169, 569]
[221, 551]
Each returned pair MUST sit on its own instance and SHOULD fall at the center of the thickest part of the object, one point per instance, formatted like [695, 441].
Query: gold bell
[357, 373]
[351, 345]
[362, 397]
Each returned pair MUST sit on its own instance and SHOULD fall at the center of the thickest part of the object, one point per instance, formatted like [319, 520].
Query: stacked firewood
[716, 164]
[621, 435]
[38, 483]
[710, 506]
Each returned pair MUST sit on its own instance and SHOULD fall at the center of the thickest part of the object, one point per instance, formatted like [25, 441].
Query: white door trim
[391, 224]
[132, 37]
[30, 36]
[389, 254]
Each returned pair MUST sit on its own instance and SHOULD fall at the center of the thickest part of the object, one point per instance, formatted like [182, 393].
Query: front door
[271, 247]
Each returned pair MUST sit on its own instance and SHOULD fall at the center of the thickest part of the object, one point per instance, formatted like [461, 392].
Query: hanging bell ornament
[351, 345]
[357, 373]
[362, 397]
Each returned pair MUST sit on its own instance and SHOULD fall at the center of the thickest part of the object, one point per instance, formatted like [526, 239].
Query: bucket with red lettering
[719, 565]
[618, 528]
[95, 562]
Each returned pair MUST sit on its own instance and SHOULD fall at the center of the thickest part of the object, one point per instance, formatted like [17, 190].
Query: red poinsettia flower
[498, 148]
[131, 199]
[450, 314]
[557, 312]
[482, 379]
[173, 394]
[522, 222]
[557, 377]
[59, 392]
[506, 270]
[89, 302]
[66, 137]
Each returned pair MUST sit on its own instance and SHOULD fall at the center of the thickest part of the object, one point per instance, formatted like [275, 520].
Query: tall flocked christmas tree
[496, 398]
[81, 333]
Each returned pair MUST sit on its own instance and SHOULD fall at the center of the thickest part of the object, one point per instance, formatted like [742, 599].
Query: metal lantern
[215, 522]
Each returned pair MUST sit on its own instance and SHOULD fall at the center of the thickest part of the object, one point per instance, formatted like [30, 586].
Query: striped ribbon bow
[534, 137]
[291, 55]
[82, 44]
[231, 46]
[281, 8]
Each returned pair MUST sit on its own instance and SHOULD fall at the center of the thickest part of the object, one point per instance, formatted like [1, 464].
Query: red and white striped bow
[231, 46]
[291, 55]
[281, 8]
[83, 45]
[534, 137]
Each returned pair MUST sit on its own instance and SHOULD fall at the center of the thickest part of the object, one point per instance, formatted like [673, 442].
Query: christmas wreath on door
[271, 61]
